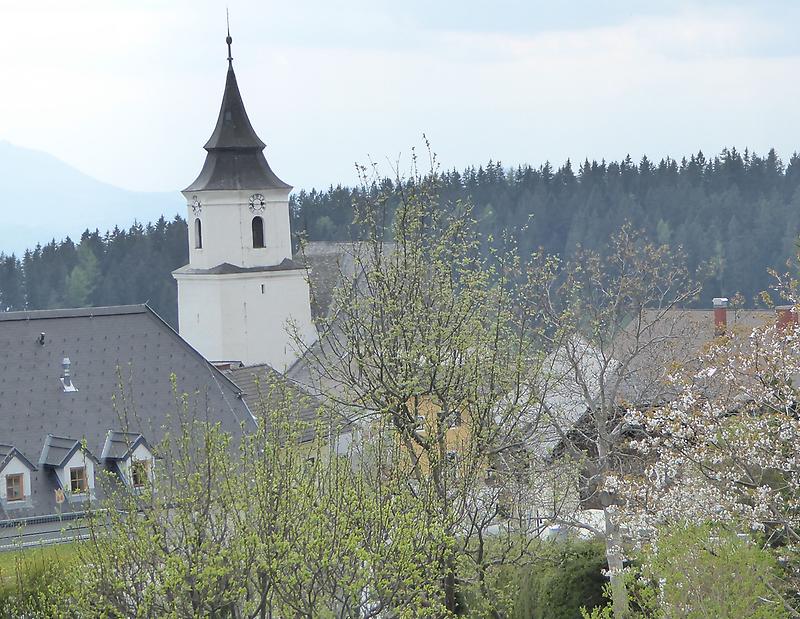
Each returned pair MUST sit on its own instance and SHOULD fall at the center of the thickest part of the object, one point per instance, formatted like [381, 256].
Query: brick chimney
[720, 316]
[786, 317]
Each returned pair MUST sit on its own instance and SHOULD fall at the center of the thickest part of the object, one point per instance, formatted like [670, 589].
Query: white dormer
[132, 457]
[138, 468]
[73, 466]
[15, 478]
[77, 474]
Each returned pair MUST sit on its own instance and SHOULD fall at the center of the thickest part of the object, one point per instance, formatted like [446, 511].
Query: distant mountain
[42, 198]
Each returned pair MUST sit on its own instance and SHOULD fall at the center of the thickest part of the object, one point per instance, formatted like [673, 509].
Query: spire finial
[228, 39]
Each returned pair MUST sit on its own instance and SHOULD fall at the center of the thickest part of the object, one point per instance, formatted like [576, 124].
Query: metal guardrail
[33, 520]
[45, 541]
[43, 530]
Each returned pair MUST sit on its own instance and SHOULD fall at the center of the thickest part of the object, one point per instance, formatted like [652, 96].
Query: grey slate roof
[122, 361]
[235, 157]
[330, 264]
[267, 392]
[666, 339]
[674, 337]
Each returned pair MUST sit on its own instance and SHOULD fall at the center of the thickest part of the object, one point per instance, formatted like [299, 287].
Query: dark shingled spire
[233, 128]
[235, 159]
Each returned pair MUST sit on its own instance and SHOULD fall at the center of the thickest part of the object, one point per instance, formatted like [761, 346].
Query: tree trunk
[450, 598]
[619, 590]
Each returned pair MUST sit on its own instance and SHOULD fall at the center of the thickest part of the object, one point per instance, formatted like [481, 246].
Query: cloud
[129, 92]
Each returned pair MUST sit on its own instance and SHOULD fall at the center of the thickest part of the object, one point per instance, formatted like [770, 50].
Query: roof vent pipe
[720, 316]
[66, 379]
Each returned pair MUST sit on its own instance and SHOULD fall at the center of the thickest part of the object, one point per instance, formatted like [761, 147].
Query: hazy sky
[128, 91]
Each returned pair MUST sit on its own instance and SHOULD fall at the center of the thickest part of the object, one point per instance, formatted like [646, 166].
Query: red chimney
[785, 317]
[720, 316]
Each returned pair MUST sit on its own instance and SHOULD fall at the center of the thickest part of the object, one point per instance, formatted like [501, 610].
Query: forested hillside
[118, 267]
[739, 211]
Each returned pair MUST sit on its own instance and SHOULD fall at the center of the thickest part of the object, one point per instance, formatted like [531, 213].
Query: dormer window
[455, 419]
[258, 232]
[140, 473]
[131, 456]
[15, 488]
[15, 478]
[72, 464]
[198, 234]
[77, 480]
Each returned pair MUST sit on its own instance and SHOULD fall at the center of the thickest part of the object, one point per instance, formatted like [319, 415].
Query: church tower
[241, 289]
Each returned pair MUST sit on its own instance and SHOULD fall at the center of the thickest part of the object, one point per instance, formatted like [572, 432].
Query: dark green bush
[557, 586]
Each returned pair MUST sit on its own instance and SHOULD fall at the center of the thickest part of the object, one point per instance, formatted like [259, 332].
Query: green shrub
[34, 583]
[695, 572]
[710, 572]
[557, 586]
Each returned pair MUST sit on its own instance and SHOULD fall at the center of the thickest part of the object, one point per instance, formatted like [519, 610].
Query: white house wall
[15, 466]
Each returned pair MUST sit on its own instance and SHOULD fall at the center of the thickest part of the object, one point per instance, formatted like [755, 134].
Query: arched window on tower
[198, 234]
[258, 232]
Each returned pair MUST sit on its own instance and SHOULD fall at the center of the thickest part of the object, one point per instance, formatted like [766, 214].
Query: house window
[455, 419]
[77, 479]
[14, 487]
[140, 473]
[258, 232]
[198, 234]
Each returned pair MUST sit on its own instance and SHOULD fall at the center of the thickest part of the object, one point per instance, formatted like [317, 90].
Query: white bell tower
[241, 292]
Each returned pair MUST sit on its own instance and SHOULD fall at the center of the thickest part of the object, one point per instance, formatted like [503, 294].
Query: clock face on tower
[257, 203]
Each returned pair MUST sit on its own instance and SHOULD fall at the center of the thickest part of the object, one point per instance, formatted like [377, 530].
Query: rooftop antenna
[228, 39]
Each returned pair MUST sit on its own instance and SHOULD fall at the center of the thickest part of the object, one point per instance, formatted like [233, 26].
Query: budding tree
[255, 526]
[429, 345]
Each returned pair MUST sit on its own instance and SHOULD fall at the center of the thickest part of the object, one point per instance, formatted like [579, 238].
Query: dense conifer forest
[739, 212]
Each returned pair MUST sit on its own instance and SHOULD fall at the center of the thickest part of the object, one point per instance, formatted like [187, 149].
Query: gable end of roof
[9, 452]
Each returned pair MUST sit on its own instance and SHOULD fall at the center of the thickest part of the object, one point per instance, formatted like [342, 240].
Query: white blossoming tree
[725, 449]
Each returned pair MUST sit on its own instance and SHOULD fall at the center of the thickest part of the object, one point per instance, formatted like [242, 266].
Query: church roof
[235, 158]
[226, 268]
[233, 128]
